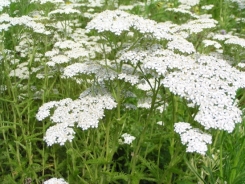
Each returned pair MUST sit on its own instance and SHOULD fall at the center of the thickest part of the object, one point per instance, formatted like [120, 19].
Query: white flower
[240, 3]
[52, 53]
[144, 85]
[66, 11]
[133, 56]
[58, 59]
[85, 112]
[24, 21]
[66, 44]
[88, 68]
[189, 2]
[55, 181]
[236, 41]
[199, 25]
[182, 127]
[3, 88]
[114, 21]
[47, 1]
[222, 37]
[44, 110]
[21, 71]
[195, 140]
[161, 123]
[119, 21]
[182, 11]
[59, 133]
[210, 83]
[241, 65]
[182, 45]
[211, 43]
[207, 7]
[132, 79]
[77, 52]
[5, 3]
[128, 139]
[95, 3]
[144, 103]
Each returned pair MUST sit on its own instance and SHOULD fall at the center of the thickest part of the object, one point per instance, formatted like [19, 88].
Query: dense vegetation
[122, 91]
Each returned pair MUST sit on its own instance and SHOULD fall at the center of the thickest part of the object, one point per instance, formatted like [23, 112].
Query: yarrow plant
[114, 92]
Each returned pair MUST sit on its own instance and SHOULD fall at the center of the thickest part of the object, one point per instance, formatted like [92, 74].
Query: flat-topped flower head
[199, 25]
[189, 2]
[55, 181]
[127, 138]
[25, 21]
[240, 3]
[195, 139]
[183, 12]
[236, 41]
[47, 1]
[208, 43]
[182, 45]
[210, 83]
[118, 21]
[114, 21]
[65, 11]
[4, 3]
[84, 112]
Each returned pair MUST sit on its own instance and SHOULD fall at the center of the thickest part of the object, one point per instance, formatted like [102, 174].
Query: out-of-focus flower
[182, 45]
[47, 1]
[207, 7]
[26, 21]
[240, 3]
[189, 2]
[208, 43]
[236, 41]
[66, 11]
[183, 12]
[127, 138]
[21, 71]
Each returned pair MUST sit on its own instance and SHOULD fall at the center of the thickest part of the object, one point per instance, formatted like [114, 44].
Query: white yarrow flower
[195, 140]
[189, 2]
[55, 181]
[128, 139]
[84, 112]
[182, 45]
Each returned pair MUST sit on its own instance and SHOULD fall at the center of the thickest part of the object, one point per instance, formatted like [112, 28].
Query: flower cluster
[89, 68]
[55, 181]
[208, 43]
[85, 112]
[66, 11]
[240, 3]
[207, 82]
[182, 45]
[195, 140]
[26, 21]
[119, 21]
[128, 139]
[4, 3]
[183, 12]
[199, 25]
[210, 83]
[189, 2]
[236, 41]
[47, 1]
